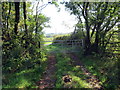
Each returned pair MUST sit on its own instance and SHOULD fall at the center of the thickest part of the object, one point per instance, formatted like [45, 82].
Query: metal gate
[65, 45]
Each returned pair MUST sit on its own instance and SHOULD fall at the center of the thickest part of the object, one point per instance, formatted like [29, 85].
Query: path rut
[48, 80]
[93, 80]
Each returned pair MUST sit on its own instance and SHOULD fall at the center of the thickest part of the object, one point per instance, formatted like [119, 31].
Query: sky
[60, 22]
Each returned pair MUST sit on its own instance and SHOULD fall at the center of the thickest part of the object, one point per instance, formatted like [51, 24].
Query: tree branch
[110, 27]
[93, 30]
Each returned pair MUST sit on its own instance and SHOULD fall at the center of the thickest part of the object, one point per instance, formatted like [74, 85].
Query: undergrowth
[26, 76]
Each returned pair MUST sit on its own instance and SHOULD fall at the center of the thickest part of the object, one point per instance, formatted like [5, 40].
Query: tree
[25, 17]
[99, 19]
[17, 16]
[19, 38]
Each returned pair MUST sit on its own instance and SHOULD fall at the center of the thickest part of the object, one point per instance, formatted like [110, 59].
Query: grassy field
[50, 39]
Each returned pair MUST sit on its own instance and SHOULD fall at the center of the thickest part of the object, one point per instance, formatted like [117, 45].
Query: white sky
[60, 22]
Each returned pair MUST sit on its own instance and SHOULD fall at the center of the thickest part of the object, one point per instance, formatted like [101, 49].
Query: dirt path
[48, 80]
[94, 82]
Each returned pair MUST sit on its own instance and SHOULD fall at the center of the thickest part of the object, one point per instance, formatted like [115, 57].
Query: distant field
[48, 39]
[1, 42]
[52, 38]
[61, 35]
[47, 43]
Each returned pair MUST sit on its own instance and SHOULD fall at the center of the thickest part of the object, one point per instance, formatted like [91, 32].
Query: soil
[48, 80]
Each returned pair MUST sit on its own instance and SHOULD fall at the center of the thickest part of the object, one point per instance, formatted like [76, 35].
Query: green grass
[105, 68]
[52, 38]
[64, 66]
[95, 64]
[61, 35]
[48, 39]
[61, 49]
[48, 42]
[1, 42]
[24, 79]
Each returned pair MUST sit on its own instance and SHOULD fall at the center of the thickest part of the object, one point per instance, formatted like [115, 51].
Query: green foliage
[23, 79]
[24, 57]
[58, 39]
[22, 51]
[95, 21]
[55, 3]
[77, 35]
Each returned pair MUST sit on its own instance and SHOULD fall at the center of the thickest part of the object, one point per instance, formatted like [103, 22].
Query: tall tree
[85, 15]
[25, 17]
[99, 19]
[17, 17]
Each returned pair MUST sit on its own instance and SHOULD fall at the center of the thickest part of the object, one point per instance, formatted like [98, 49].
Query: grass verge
[26, 78]
[104, 68]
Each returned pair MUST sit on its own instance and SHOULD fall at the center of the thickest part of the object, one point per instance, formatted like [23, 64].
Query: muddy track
[91, 79]
[48, 80]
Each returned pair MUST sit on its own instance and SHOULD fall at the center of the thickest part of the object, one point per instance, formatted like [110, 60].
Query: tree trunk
[17, 15]
[36, 29]
[87, 42]
[8, 14]
[87, 38]
[25, 17]
[26, 30]
[96, 42]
